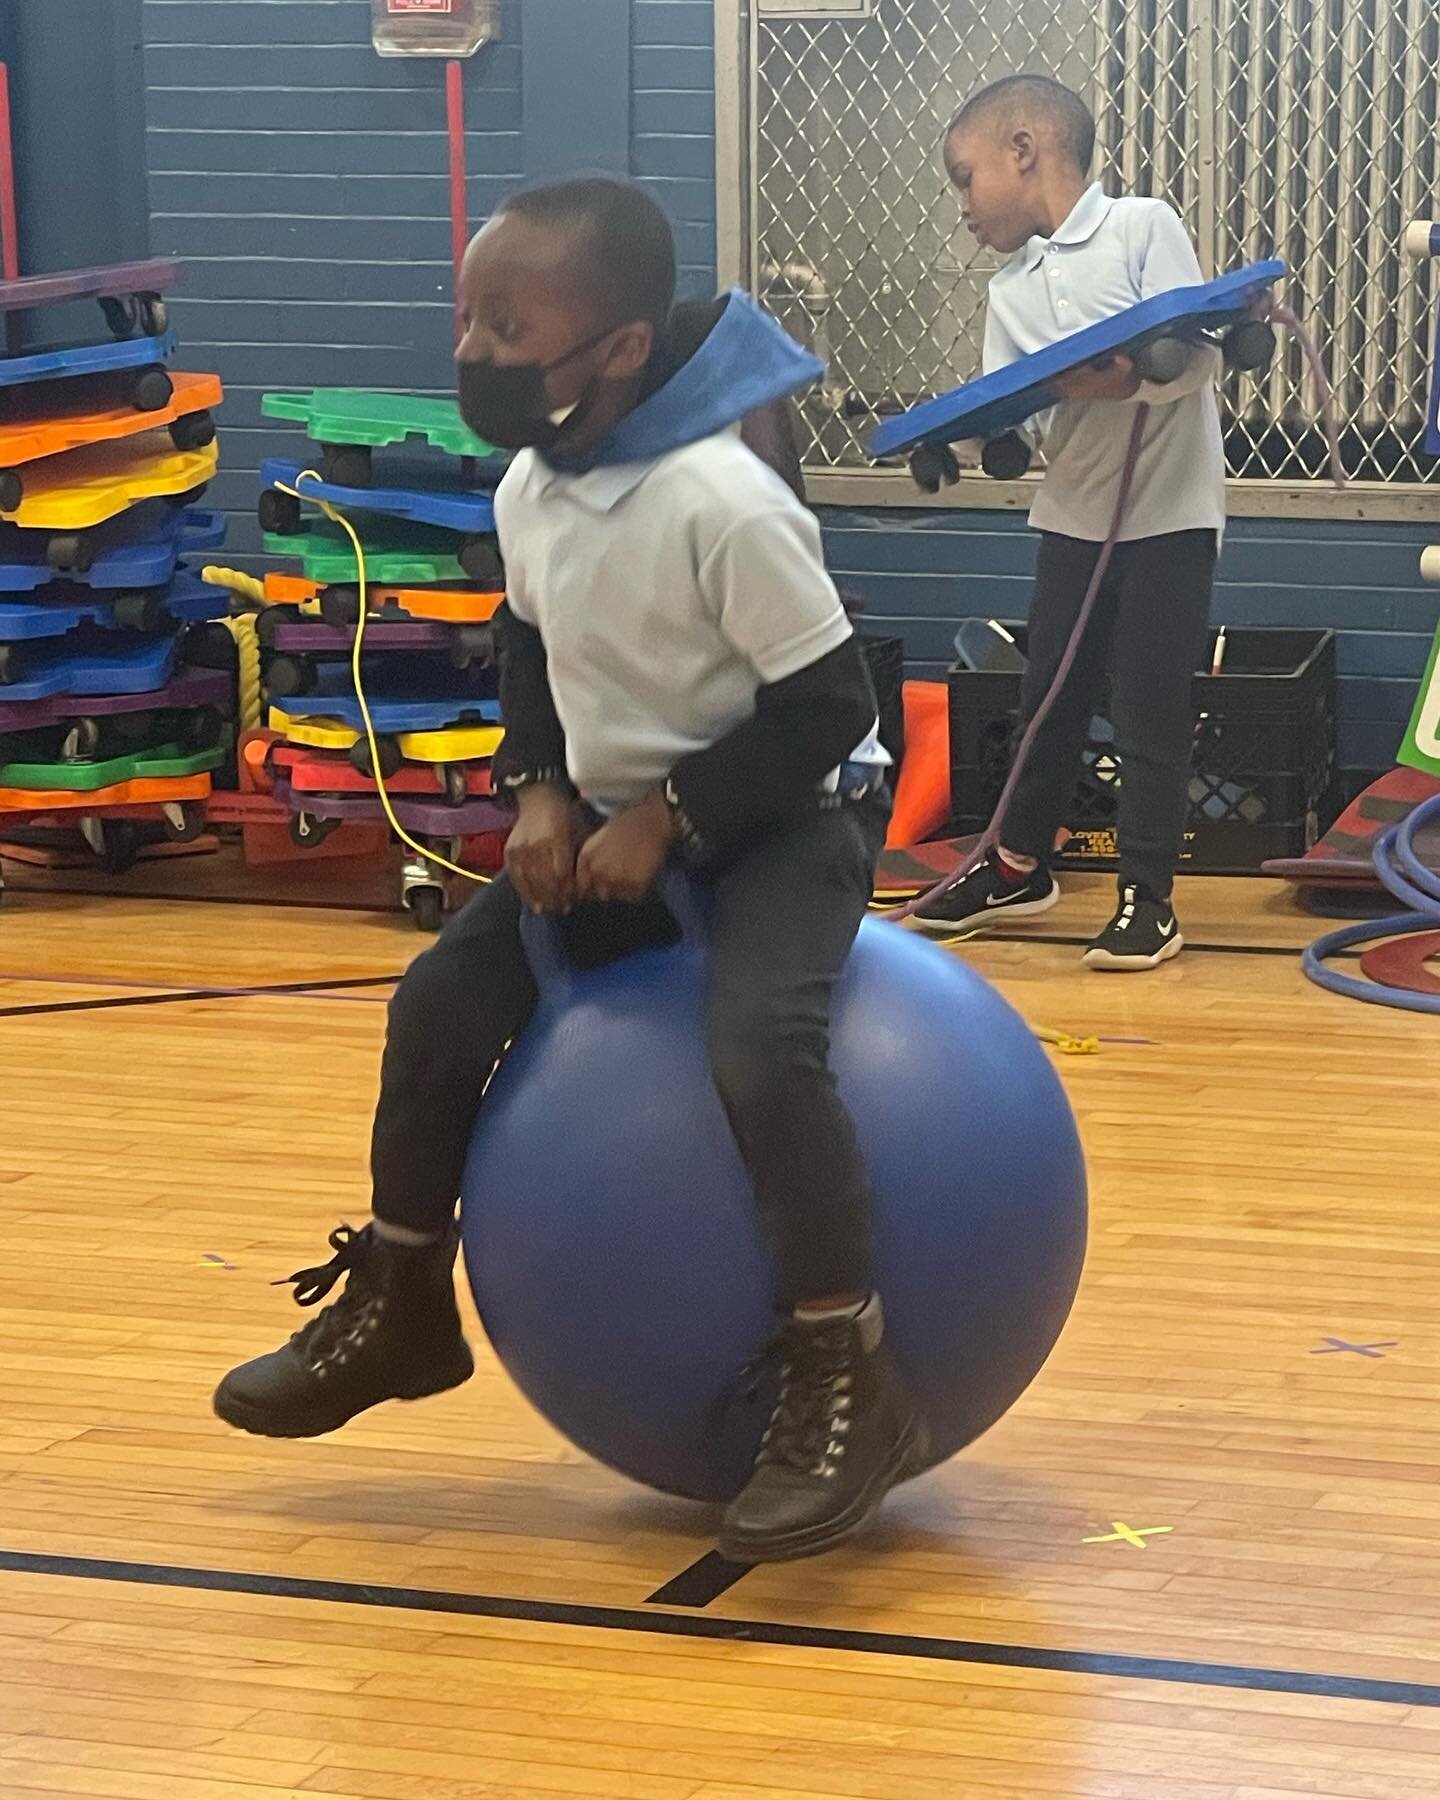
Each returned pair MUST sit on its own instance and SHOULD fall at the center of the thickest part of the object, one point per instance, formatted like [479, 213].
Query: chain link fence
[1300, 128]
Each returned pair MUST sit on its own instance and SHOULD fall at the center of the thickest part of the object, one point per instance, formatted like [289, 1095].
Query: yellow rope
[242, 628]
[241, 585]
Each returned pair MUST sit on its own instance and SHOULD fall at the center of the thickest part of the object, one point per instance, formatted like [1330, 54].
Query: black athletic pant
[1149, 629]
[784, 916]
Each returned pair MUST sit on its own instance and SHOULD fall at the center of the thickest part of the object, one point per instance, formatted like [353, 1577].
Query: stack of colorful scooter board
[115, 692]
[433, 583]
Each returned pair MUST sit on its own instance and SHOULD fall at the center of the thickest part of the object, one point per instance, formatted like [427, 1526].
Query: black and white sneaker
[1143, 934]
[977, 900]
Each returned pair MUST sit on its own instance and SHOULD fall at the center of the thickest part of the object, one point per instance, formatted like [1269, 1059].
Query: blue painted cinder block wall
[303, 179]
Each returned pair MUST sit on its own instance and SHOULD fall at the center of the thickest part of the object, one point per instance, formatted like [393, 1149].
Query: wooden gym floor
[1201, 1561]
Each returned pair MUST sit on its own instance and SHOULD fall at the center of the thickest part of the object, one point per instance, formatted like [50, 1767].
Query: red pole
[459, 201]
[9, 229]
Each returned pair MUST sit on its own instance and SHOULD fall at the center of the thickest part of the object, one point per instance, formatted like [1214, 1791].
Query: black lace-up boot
[843, 1432]
[393, 1334]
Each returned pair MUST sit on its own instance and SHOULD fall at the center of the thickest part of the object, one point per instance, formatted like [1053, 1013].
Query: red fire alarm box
[433, 27]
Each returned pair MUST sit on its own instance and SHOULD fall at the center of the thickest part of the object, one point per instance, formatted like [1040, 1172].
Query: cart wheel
[1251, 345]
[121, 847]
[340, 606]
[427, 907]
[202, 729]
[307, 832]
[1162, 360]
[279, 513]
[191, 497]
[12, 664]
[69, 550]
[183, 824]
[391, 761]
[80, 742]
[289, 675]
[210, 646]
[152, 314]
[457, 788]
[471, 645]
[346, 465]
[120, 315]
[12, 489]
[1005, 458]
[268, 621]
[480, 559]
[140, 611]
[151, 389]
[192, 431]
[132, 728]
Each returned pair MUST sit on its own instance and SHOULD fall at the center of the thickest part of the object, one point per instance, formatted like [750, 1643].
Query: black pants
[1148, 630]
[784, 918]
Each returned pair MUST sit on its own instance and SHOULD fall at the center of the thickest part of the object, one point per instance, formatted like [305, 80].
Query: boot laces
[346, 1323]
[810, 1425]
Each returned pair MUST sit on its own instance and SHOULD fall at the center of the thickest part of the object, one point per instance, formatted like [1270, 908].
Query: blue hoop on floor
[1418, 888]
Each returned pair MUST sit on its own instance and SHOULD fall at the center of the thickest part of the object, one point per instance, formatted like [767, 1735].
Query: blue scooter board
[138, 549]
[996, 403]
[102, 666]
[65, 360]
[454, 509]
[187, 600]
[394, 715]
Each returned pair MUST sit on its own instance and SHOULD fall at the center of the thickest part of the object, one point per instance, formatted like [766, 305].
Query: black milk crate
[886, 659]
[1263, 779]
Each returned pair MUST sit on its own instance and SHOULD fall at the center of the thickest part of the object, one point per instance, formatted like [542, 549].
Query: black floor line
[701, 1583]
[285, 902]
[746, 1631]
[175, 996]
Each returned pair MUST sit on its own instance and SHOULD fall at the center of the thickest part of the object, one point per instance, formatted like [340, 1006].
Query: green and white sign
[1421, 748]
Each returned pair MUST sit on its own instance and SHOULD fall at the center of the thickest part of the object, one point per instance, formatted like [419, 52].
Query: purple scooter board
[1157, 333]
[428, 818]
[190, 688]
[305, 635]
[129, 292]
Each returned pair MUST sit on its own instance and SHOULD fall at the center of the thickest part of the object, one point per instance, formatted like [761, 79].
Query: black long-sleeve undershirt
[762, 775]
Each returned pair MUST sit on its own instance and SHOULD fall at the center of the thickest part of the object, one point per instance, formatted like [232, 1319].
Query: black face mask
[506, 403]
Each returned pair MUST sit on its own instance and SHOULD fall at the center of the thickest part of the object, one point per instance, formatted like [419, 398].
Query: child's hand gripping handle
[548, 941]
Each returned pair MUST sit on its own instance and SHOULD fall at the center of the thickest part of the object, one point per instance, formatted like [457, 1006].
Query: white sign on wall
[816, 9]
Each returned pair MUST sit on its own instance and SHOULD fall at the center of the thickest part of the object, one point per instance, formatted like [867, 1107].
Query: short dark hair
[1022, 98]
[620, 229]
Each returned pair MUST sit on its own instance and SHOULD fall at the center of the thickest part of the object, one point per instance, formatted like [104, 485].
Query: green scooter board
[351, 422]
[326, 554]
[162, 762]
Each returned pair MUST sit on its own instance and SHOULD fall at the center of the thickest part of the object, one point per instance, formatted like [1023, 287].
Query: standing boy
[1018, 154]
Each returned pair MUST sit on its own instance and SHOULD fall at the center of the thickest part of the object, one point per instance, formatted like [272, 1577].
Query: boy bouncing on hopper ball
[679, 680]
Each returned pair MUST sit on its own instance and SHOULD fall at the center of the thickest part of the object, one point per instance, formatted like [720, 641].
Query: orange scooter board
[460, 606]
[29, 437]
[143, 791]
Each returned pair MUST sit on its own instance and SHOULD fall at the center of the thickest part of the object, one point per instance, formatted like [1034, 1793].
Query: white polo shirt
[1107, 255]
[666, 592]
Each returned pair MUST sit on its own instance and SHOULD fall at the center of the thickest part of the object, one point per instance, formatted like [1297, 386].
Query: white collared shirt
[667, 593]
[1107, 255]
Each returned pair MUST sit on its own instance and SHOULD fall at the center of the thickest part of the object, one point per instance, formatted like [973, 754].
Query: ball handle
[544, 942]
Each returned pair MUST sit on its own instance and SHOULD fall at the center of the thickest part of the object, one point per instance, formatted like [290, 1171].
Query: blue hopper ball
[614, 1249]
